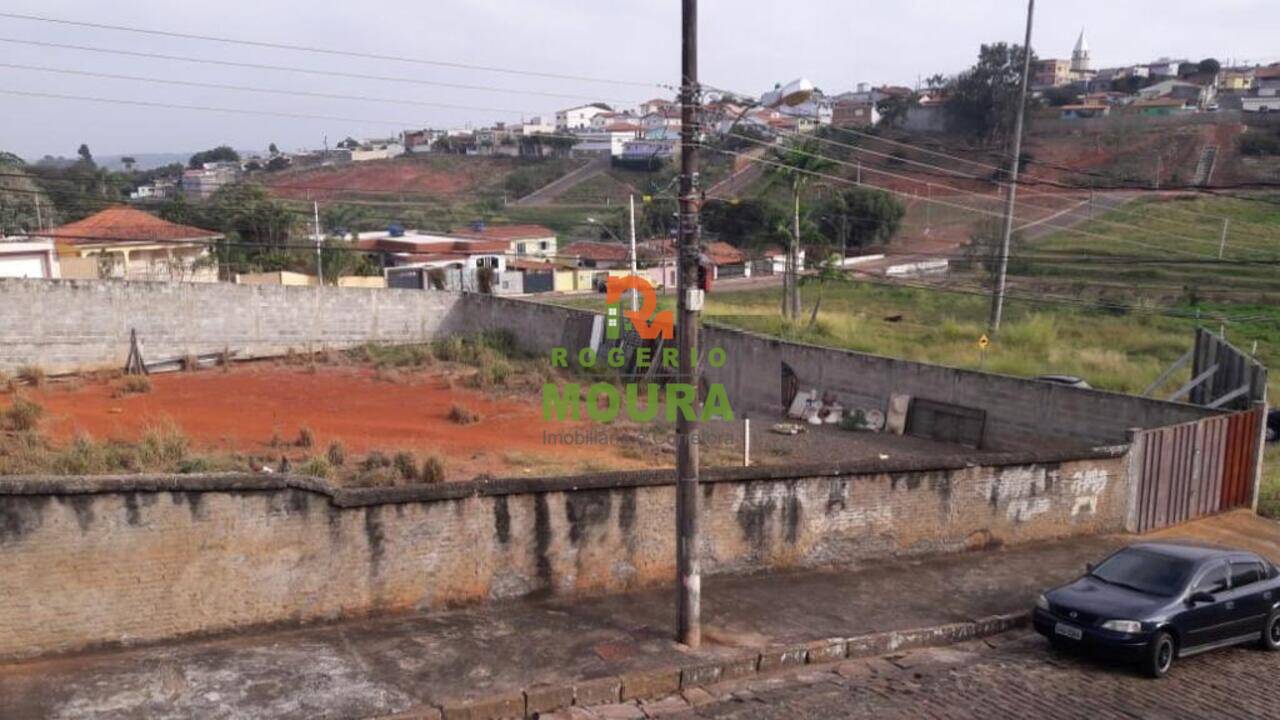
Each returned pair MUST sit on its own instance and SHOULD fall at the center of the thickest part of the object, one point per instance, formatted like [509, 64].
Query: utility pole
[688, 565]
[635, 296]
[319, 263]
[997, 302]
[1222, 246]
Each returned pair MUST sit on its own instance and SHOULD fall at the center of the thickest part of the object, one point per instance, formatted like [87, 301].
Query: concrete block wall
[1021, 414]
[94, 561]
[68, 325]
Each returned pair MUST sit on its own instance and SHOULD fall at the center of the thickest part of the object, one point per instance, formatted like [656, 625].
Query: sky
[745, 46]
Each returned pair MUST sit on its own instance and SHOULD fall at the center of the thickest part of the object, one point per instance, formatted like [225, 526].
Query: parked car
[1154, 602]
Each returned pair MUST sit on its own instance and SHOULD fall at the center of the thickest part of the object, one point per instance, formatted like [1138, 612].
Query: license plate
[1070, 631]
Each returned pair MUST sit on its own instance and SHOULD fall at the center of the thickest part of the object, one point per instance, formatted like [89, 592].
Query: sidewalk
[380, 667]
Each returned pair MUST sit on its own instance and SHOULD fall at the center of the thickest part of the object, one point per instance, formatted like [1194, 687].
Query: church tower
[1080, 56]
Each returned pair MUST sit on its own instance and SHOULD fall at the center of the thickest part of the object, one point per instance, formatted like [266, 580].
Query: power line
[328, 51]
[246, 88]
[305, 71]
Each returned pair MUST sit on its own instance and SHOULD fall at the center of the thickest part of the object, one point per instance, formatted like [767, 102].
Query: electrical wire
[326, 51]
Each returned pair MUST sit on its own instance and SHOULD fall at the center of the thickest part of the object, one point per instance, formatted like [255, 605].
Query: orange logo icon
[648, 322]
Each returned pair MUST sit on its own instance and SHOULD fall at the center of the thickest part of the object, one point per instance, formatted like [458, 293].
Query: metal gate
[1195, 469]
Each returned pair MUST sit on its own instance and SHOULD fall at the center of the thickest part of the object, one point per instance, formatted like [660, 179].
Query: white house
[577, 118]
[538, 126]
[380, 150]
[26, 258]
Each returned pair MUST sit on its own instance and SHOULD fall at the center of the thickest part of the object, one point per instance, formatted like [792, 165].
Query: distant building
[202, 183]
[646, 154]
[854, 113]
[158, 190]
[538, 125]
[526, 241]
[1051, 73]
[1200, 94]
[1164, 68]
[1081, 63]
[377, 150]
[1236, 79]
[577, 118]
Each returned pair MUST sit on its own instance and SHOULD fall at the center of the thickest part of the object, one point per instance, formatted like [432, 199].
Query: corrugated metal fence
[1195, 469]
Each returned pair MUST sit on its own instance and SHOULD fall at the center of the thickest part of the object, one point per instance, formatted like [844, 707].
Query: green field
[1167, 250]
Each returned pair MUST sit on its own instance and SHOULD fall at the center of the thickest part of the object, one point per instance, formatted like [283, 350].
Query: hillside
[438, 177]
[18, 195]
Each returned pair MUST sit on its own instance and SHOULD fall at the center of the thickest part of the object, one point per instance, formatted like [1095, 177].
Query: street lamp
[635, 295]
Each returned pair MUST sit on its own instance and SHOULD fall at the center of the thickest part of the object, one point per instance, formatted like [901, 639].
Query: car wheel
[1159, 655]
[1271, 632]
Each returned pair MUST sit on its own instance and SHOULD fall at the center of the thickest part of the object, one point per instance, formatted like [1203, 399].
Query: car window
[1145, 571]
[1214, 581]
[1245, 573]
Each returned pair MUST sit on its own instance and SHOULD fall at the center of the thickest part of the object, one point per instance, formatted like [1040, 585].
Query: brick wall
[1021, 414]
[66, 325]
[125, 560]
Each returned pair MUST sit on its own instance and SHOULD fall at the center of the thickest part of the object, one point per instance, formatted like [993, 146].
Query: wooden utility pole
[1002, 270]
[689, 303]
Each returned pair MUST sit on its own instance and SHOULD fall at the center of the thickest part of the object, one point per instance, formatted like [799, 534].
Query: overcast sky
[746, 45]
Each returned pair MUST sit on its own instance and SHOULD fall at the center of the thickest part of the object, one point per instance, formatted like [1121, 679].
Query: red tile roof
[722, 253]
[1268, 73]
[599, 251]
[506, 232]
[126, 224]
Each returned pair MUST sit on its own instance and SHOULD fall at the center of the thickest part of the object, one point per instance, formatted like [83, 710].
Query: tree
[128, 162]
[1059, 96]
[893, 109]
[86, 157]
[1187, 69]
[222, 153]
[859, 217]
[273, 149]
[982, 102]
[277, 163]
[1209, 66]
[797, 163]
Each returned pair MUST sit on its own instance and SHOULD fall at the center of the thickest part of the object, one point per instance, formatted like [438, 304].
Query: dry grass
[22, 415]
[305, 438]
[133, 385]
[462, 415]
[32, 375]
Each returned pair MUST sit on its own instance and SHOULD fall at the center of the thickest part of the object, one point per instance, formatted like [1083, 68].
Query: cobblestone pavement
[1015, 675]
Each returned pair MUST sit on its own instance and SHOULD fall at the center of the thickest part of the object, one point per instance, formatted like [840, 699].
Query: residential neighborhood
[681, 360]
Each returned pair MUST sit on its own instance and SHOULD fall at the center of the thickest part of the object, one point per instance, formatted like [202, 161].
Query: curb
[661, 682]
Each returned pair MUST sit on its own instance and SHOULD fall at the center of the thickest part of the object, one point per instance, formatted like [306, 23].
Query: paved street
[1015, 675]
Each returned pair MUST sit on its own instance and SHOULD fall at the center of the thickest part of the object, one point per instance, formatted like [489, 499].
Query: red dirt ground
[402, 175]
[241, 410]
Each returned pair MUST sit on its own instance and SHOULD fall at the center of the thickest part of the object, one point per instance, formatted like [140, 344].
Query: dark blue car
[1156, 601]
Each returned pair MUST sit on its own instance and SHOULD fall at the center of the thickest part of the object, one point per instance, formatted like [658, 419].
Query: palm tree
[797, 163]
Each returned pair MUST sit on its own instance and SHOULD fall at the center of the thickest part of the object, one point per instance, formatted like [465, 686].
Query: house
[21, 257]
[420, 141]
[855, 113]
[662, 123]
[810, 115]
[655, 105]
[1084, 111]
[377, 150]
[1236, 79]
[1051, 73]
[604, 142]
[524, 241]
[201, 183]
[1161, 107]
[577, 118]
[1199, 94]
[538, 126]
[774, 260]
[1164, 68]
[127, 243]
[645, 154]
[725, 260]
[597, 254]
[161, 189]
[1260, 104]
[1267, 80]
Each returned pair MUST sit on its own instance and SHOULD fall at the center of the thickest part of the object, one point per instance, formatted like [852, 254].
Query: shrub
[195, 466]
[190, 363]
[463, 415]
[22, 415]
[305, 438]
[32, 375]
[375, 460]
[432, 470]
[337, 454]
[134, 385]
[406, 465]
[163, 447]
[82, 457]
[316, 467]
